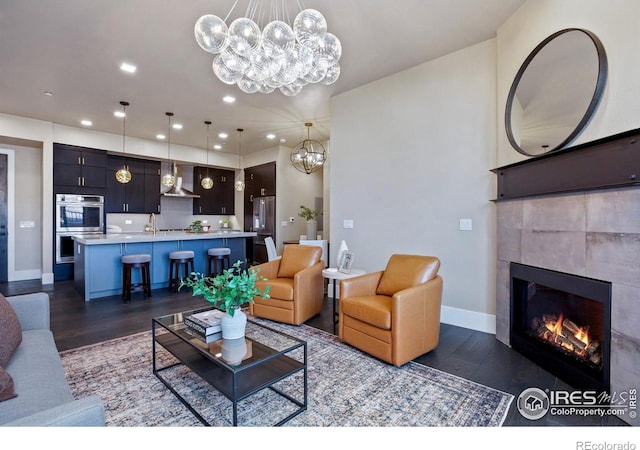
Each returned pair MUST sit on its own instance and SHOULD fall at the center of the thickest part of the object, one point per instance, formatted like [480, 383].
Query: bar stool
[179, 258]
[219, 256]
[142, 261]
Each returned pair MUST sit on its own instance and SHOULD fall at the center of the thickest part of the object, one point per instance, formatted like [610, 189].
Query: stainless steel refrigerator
[263, 223]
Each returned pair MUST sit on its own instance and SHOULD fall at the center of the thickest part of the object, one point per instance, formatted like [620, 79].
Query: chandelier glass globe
[206, 183]
[239, 185]
[244, 36]
[212, 33]
[168, 180]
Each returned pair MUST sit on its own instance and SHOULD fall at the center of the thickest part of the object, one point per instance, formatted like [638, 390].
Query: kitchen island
[97, 266]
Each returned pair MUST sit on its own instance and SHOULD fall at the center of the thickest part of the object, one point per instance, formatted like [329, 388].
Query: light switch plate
[466, 225]
[348, 223]
[284, 223]
[128, 222]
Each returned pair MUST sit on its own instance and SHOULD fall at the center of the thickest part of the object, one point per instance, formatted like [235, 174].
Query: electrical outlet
[347, 223]
[128, 222]
[205, 221]
[466, 225]
[284, 223]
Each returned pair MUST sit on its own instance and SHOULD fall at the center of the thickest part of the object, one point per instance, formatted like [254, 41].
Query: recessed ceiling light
[223, 135]
[177, 126]
[126, 67]
[86, 122]
[160, 136]
[48, 93]
[282, 141]
[271, 136]
[218, 147]
[228, 99]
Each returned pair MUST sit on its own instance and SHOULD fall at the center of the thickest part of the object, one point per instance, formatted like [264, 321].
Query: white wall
[410, 156]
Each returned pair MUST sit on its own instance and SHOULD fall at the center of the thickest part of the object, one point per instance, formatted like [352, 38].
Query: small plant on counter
[308, 213]
[229, 290]
[196, 226]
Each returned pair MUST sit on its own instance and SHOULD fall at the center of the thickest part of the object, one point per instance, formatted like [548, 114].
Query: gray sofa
[44, 397]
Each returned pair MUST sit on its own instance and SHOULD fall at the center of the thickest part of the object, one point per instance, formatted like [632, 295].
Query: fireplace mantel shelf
[611, 162]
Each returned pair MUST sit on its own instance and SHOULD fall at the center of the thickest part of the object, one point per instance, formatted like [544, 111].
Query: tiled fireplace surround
[595, 234]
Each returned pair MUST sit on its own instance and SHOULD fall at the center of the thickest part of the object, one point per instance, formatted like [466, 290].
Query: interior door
[3, 218]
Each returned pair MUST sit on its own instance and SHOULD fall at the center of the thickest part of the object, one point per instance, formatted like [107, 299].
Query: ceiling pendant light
[169, 178]
[239, 184]
[309, 155]
[285, 55]
[123, 175]
[207, 182]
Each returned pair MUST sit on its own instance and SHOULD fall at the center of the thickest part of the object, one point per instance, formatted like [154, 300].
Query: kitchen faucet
[152, 221]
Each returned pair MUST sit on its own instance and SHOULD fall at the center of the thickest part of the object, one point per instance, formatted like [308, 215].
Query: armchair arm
[268, 269]
[360, 286]
[308, 291]
[415, 316]
[32, 310]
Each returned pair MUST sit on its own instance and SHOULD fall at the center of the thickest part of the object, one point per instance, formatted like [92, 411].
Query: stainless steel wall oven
[76, 215]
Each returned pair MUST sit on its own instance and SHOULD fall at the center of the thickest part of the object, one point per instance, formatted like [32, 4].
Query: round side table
[333, 274]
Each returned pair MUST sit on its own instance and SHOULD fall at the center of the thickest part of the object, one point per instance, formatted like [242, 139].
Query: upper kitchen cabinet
[78, 170]
[141, 194]
[260, 181]
[219, 200]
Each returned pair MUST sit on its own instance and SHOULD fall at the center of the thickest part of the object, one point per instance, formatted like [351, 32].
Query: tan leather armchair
[296, 286]
[394, 314]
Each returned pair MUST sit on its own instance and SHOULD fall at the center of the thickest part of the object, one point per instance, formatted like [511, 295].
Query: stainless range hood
[177, 190]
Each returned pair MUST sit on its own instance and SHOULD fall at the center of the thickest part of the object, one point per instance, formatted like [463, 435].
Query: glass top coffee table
[237, 368]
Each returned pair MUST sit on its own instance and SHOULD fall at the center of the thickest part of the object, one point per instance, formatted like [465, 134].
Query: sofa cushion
[296, 258]
[279, 288]
[405, 271]
[38, 375]
[10, 331]
[6, 386]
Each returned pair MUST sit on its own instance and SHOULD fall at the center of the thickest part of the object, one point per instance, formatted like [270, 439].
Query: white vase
[312, 229]
[233, 326]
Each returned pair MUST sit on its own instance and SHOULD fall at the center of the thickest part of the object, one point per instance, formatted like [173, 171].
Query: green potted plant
[310, 216]
[196, 226]
[228, 291]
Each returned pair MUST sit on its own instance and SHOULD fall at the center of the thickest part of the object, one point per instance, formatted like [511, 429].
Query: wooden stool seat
[137, 260]
[179, 258]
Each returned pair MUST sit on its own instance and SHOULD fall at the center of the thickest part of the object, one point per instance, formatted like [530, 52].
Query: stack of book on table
[204, 325]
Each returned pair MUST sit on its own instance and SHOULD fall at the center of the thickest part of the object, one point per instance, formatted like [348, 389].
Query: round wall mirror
[555, 92]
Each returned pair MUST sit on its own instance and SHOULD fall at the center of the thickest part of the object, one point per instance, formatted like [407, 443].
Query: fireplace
[562, 322]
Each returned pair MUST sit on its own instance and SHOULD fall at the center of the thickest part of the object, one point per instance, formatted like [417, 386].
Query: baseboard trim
[21, 275]
[468, 319]
[48, 278]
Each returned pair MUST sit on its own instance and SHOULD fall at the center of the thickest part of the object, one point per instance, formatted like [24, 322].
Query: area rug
[346, 388]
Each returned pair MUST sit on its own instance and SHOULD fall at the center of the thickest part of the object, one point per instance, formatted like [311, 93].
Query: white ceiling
[73, 48]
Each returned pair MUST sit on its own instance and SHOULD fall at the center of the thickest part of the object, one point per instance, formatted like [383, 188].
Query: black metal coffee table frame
[266, 367]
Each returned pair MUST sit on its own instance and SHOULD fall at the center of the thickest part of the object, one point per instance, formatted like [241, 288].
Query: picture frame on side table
[347, 262]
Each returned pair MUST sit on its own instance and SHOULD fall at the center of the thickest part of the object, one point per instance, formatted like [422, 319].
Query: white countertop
[158, 236]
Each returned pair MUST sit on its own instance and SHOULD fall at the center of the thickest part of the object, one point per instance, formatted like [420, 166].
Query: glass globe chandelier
[123, 175]
[309, 155]
[239, 184]
[280, 56]
[207, 182]
[169, 179]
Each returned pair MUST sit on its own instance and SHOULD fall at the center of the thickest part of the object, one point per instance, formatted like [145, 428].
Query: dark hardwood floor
[466, 353]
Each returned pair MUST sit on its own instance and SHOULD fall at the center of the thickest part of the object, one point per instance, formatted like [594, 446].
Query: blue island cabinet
[98, 268]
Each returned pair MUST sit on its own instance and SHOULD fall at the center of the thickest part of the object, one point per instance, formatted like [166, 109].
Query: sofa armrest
[84, 412]
[32, 310]
[360, 286]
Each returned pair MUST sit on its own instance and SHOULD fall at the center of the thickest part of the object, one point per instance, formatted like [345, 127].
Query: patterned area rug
[345, 388]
